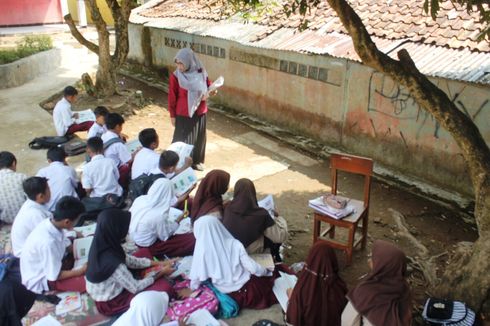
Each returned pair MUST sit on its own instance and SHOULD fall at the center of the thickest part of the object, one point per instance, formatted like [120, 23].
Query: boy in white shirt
[11, 193]
[147, 159]
[64, 119]
[43, 264]
[99, 127]
[32, 212]
[100, 175]
[167, 164]
[62, 178]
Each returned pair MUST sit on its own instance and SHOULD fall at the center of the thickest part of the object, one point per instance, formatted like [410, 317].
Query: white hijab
[152, 208]
[146, 309]
[217, 256]
[193, 79]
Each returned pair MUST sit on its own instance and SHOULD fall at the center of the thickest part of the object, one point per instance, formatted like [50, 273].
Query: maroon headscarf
[383, 297]
[208, 196]
[245, 220]
[319, 296]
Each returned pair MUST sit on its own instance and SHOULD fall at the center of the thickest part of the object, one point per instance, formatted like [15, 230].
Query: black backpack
[74, 148]
[48, 142]
[142, 184]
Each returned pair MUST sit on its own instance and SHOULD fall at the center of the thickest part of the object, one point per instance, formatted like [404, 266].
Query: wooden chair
[352, 164]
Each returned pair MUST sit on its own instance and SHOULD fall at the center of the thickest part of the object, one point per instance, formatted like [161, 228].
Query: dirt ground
[294, 178]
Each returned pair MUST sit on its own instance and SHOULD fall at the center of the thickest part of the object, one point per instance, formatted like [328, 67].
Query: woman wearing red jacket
[187, 94]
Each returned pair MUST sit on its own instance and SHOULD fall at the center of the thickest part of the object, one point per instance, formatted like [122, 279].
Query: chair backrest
[352, 164]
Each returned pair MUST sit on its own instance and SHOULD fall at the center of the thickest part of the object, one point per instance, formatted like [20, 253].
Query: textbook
[265, 260]
[86, 230]
[202, 317]
[183, 150]
[281, 286]
[85, 115]
[133, 145]
[174, 213]
[183, 267]
[81, 248]
[69, 301]
[47, 320]
[318, 205]
[268, 204]
[184, 181]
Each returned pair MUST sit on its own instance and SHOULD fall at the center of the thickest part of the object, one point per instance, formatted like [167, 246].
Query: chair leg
[350, 243]
[364, 231]
[316, 230]
[331, 233]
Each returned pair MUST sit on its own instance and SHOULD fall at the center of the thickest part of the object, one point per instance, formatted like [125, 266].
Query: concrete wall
[21, 71]
[28, 12]
[337, 101]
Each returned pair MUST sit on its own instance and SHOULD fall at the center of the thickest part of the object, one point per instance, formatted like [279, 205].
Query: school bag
[202, 298]
[112, 141]
[47, 142]
[439, 312]
[141, 185]
[74, 148]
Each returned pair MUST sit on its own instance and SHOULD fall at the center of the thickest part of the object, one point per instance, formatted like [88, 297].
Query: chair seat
[352, 218]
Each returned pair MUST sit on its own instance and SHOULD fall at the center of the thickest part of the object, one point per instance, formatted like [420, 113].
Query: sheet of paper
[183, 267]
[133, 145]
[85, 115]
[184, 181]
[220, 81]
[202, 317]
[281, 285]
[183, 150]
[47, 320]
[185, 226]
[70, 301]
[265, 260]
[268, 204]
[318, 205]
[87, 229]
[174, 214]
[81, 248]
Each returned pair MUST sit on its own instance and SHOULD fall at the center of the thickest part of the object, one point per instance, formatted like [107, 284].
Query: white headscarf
[193, 79]
[149, 214]
[217, 256]
[146, 309]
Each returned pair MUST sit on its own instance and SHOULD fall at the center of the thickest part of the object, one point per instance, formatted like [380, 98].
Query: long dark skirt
[192, 131]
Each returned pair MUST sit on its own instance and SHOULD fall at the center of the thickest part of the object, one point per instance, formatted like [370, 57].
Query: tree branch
[120, 13]
[79, 37]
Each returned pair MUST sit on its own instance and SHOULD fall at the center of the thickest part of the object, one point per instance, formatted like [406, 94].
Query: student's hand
[213, 93]
[289, 292]
[82, 270]
[184, 293]
[205, 97]
[124, 137]
[75, 115]
[183, 321]
[172, 121]
[182, 216]
[79, 234]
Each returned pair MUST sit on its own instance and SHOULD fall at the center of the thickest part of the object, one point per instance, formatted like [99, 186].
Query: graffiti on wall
[389, 98]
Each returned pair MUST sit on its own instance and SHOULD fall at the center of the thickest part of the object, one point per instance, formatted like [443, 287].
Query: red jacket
[177, 99]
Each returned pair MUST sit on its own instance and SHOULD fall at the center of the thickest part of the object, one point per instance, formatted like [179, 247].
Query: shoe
[198, 167]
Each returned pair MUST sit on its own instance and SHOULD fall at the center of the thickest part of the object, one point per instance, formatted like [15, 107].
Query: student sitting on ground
[99, 127]
[147, 159]
[11, 193]
[32, 212]
[100, 175]
[223, 259]
[167, 164]
[208, 199]
[383, 296]
[151, 226]
[109, 281]
[251, 224]
[115, 149]
[146, 309]
[64, 118]
[62, 178]
[43, 264]
[319, 296]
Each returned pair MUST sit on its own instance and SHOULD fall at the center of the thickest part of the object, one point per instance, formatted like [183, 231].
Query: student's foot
[198, 167]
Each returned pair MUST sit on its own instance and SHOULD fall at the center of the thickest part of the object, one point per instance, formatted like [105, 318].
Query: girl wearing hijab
[223, 259]
[150, 226]
[146, 309]
[109, 281]
[251, 224]
[383, 297]
[187, 94]
[319, 295]
[208, 199]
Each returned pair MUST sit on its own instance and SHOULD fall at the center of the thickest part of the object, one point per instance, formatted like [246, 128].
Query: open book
[202, 317]
[84, 116]
[281, 286]
[268, 204]
[183, 150]
[70, 301]
[86, 230]
[133, 145]
[184, 181]
[81, 248]
[265, 260]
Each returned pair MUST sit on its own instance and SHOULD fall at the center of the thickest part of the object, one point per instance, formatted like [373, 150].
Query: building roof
[445, 47]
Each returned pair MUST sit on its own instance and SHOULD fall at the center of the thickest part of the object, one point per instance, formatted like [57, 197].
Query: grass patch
[29, 45]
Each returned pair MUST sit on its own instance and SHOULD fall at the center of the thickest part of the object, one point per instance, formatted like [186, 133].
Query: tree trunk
[105, 80]
[467, 276]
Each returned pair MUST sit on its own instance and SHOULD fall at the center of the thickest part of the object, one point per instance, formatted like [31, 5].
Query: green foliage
[29, 45]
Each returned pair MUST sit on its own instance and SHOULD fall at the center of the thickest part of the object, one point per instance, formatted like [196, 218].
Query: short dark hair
[34, 186]
[147, 137]
[56, 154]
[70, 91]
[95, 144]
[168, 159]
[101, 110]
[113, 120]
[68, 207]
[7, 159]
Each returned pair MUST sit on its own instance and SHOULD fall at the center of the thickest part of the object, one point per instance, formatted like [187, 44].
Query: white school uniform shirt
[62, 116]
[144, 162]
[62, 180]
[117, 151]
[30, 215]
[101, 175]
[42, 256]
[96, 130]
[12, 194]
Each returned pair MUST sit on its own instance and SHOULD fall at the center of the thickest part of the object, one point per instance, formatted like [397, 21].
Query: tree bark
[467, 277]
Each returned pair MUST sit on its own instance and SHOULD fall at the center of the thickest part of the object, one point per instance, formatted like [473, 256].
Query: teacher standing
[187, 94]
